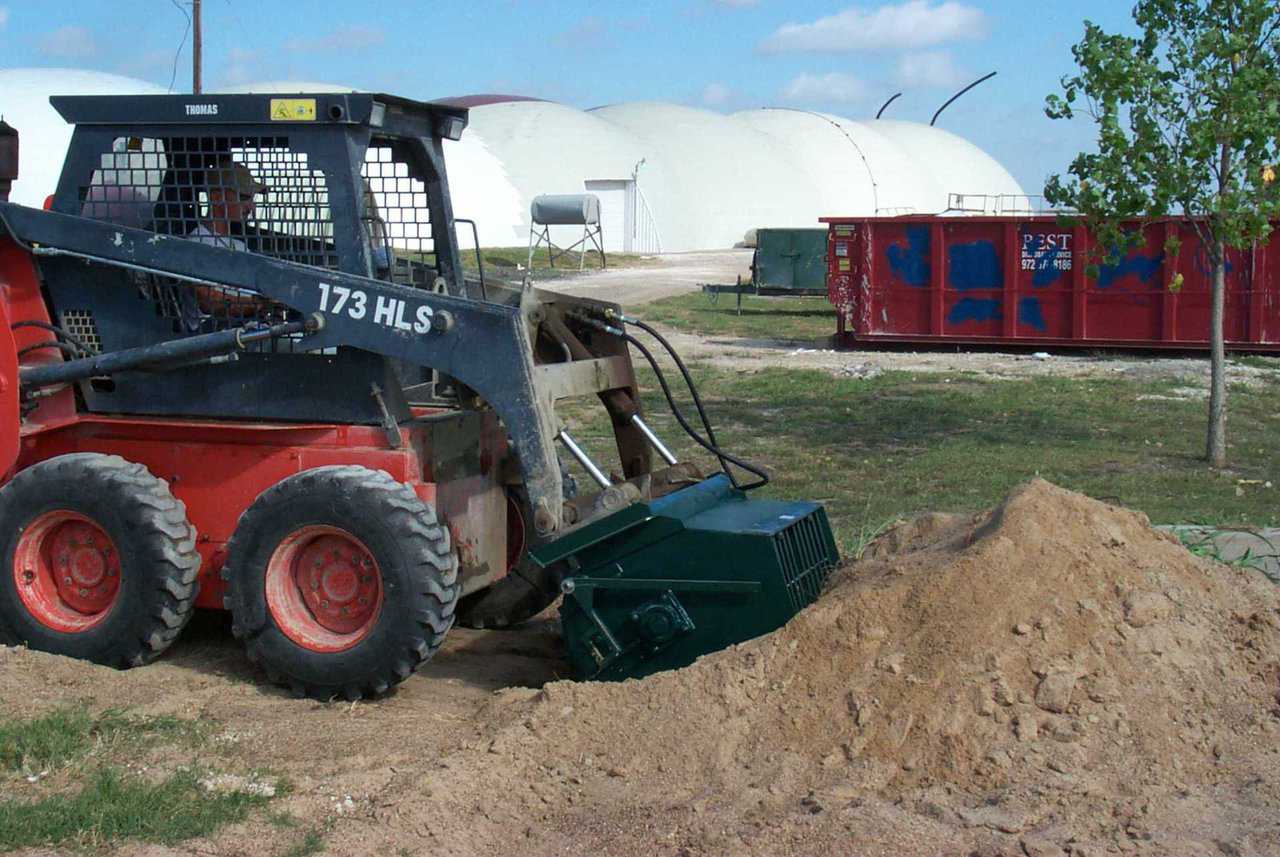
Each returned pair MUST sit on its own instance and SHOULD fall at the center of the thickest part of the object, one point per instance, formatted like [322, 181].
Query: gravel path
[669, 274]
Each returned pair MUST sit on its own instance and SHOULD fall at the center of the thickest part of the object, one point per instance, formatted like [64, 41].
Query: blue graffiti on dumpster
[974, 266]
[911, 264]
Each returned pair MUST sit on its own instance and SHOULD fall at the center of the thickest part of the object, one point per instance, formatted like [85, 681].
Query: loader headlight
[450, 127]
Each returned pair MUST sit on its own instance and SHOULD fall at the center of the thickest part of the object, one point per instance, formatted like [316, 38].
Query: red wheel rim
[324, 589]
[67, 571]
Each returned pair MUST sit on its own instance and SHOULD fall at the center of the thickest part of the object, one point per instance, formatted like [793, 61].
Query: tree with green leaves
[1188, 114]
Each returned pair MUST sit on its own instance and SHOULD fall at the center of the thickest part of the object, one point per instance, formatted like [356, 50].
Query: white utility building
[670, 178]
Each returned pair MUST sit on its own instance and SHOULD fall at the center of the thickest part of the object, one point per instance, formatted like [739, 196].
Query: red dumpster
[1023, 281]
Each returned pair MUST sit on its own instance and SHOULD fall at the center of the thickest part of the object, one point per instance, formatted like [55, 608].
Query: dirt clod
[1145, 608]
[1054, 691]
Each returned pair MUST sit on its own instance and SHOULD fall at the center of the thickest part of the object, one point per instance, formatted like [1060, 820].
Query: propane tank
[8, 158]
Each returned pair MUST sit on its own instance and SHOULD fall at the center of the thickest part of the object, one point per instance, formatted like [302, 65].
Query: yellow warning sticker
[293, 110]
[844, 264]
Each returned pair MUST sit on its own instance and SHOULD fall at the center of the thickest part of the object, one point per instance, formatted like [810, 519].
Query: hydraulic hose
[55, 330]
[709, 443]
[688, 380]
[65, 347]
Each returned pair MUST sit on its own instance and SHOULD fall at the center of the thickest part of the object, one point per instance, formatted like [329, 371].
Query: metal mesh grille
[240, 193]
[245, 193]
[79, 324]
[806, 558]
[397, 217]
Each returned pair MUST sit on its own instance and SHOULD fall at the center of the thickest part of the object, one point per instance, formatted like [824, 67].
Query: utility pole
[195, 47]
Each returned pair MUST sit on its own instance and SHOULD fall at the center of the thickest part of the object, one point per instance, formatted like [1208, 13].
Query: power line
[174, 77]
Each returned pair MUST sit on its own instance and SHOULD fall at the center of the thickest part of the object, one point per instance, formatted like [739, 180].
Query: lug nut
[84, 593]
[324, 604]
[67, 581]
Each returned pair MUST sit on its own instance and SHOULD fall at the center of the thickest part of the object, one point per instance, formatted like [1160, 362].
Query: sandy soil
[1053, 677]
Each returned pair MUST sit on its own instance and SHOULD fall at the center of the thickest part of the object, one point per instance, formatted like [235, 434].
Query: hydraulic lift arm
[486, 346]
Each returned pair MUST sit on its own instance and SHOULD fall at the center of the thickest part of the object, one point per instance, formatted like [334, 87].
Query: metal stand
[591, 236]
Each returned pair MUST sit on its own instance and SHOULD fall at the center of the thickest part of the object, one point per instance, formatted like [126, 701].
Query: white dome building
[708, 178]
[540, 147]
[669, 178]
[43, 134]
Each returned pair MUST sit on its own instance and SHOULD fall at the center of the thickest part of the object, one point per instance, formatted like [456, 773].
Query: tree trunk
[1216, 448]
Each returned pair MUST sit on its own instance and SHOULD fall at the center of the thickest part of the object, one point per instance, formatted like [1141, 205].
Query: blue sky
[842, 57]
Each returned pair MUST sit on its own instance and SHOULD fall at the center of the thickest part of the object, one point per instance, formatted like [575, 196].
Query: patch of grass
[805, 319]
[114, 806]
[867, 533]
[68, 734]
[1203, 541]
[900, 444]
[312, 842]
[507, 262]
[1256, 361]
[99, 802]
[1203, 544]
[281, 819]
[45, 742]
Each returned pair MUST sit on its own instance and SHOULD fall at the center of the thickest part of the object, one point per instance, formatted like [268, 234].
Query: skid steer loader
[241, 368]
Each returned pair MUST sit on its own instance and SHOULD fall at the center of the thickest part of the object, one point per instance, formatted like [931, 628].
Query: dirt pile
[1050, 678]
[1055, 670]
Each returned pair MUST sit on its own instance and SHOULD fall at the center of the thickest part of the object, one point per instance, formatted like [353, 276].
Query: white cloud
[72, 43]
[4, 15]
[242, 66]
[928, 68]
[716, 94]
[825, 88]
[914, 24]
[350, 38]
[154, 65]
[590, 32]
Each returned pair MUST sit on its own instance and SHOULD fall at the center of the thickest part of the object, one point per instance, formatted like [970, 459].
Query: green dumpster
[790, 262]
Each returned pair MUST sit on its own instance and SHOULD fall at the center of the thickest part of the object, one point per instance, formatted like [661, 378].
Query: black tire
[155, 544]
[528, 588]
[411, 552]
